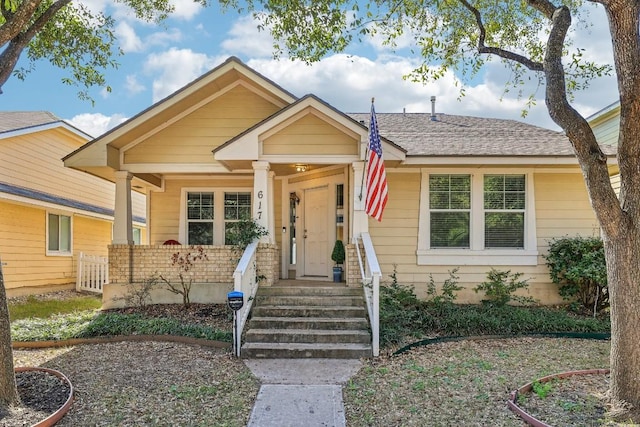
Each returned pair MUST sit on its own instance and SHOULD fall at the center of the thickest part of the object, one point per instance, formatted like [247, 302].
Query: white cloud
[164, 38]
[133, 86]
[175, 68]
[127, 37]
[245, 39]
[349, 82]
[186, 9]
[96, 124]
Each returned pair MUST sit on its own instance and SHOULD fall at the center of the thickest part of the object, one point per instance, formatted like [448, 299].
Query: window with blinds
[450, 210]
[504, 209]
[200, 217]
[237, 206]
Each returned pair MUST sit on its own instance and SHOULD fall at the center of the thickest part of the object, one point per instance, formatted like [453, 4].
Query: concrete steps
[316, 321]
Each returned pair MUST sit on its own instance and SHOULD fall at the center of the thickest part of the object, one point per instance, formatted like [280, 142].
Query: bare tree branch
[482, 48]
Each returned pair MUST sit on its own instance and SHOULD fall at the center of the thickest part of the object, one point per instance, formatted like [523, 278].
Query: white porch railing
[371, 274]
[93, 273]
[245, 281]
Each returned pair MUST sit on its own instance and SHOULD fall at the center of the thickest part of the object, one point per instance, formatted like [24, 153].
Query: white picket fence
[93, 273]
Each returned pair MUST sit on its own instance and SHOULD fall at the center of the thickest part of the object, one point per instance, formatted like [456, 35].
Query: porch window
[237, 206]
[58, 234]
[208, 212]
[200, 218]
[477, 218]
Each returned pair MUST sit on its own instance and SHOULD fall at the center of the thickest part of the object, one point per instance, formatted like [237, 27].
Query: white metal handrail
[371, 274]
[245, 281]
[93, 272]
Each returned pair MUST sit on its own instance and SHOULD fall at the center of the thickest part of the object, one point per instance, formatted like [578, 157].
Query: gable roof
[458, 136]
[14, 123]
[330, 113]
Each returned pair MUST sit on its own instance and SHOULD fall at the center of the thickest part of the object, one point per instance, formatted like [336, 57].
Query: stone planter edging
[60, 412]
[528, 418]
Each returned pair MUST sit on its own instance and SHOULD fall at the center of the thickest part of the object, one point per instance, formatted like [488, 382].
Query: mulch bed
[41, 395]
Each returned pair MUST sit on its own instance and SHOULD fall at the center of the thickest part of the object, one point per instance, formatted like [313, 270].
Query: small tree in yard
[184, 264]
[8, 390]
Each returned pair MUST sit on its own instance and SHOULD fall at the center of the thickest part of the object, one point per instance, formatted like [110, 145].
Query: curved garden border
[582, 335]
[531, 420]
[120, 338]
[60, 412]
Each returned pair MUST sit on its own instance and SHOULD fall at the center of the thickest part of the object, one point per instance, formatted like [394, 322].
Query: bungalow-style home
[464, 193]
[50, 214]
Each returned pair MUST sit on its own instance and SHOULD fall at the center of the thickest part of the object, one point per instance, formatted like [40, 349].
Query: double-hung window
[449, 210]
[477, 219]
[58, 234]
[237, 207]
[200, 218]
[504, 211]
[208, 214]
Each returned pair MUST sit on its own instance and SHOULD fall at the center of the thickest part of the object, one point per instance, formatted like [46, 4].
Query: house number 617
[260, 195]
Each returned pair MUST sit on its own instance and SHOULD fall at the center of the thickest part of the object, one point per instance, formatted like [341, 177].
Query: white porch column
[263, 198]
[122, 218]
[359, 219]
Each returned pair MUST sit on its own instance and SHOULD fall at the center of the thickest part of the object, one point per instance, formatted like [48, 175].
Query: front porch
[212, 279]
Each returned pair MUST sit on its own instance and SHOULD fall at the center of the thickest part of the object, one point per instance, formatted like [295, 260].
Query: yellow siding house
[464, 192]
[49, 214]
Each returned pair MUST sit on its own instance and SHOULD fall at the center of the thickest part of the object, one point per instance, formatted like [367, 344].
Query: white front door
[315, 232]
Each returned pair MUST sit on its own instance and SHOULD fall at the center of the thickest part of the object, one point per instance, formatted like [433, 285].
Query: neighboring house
[467, 192]
[49, 213]
[606, 126]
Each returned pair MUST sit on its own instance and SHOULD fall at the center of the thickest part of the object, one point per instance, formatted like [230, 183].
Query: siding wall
[28, 269]
[306, 135]
[606, 132]
[191, 139]
[34, 161]
[562, 208]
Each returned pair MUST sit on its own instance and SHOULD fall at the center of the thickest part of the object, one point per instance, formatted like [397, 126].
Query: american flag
[377, 191]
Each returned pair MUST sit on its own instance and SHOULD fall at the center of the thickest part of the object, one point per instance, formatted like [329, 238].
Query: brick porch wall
[352, 267]
[147, 260]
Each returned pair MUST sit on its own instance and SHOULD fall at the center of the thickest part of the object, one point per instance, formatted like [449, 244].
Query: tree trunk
[8, 390]
[623, 270]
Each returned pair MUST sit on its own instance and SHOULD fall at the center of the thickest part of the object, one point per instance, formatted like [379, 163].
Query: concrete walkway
[300, 392]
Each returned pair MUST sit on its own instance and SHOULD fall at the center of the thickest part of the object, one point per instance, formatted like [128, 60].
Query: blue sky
[160, 59]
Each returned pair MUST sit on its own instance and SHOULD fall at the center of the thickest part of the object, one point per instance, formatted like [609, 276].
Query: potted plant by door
[338, 257]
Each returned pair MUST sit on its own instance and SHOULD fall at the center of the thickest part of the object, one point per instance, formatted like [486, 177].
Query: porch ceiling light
[301, 168]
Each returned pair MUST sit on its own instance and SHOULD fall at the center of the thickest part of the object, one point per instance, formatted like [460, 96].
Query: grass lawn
[34, 307]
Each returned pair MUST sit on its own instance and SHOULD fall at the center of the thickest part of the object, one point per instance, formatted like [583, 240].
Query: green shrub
[449, 288]
[500, 288]
[400, 312]
[578, 265]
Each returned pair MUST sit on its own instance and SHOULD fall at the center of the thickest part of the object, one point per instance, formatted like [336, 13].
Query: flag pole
[366, 154]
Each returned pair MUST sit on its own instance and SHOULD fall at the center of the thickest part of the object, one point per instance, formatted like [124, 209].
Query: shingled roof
[14, 120]
[450, 135]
